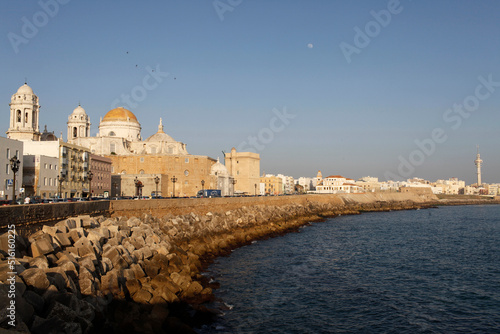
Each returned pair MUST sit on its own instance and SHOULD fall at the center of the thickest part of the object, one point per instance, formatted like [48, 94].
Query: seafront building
[40, 175]
[244, 167]
[368, 184]
[335, 184]
[273, 185]
[10, 148]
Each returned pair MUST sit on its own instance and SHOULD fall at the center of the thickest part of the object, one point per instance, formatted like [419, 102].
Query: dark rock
[36, 279]
[40, 262]
[34, 300]
[142, 296]
[133, 286]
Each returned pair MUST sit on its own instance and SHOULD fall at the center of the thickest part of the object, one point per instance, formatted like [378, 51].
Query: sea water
[419, 271]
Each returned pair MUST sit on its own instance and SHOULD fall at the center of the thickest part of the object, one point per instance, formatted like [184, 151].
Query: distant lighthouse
[478, 163]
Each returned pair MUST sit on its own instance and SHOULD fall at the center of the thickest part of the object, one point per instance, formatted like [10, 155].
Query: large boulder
[36, 279]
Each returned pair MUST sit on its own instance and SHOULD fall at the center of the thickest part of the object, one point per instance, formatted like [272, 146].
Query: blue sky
[231, 69]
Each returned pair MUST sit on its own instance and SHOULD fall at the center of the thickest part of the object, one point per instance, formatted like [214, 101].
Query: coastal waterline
[425, 271]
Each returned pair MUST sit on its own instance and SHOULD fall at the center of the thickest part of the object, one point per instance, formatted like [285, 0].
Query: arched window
[75, 132]
[26, 118]
[112, 134]
[153, 149]
[112, 148]
[141, 171]
[19, 116]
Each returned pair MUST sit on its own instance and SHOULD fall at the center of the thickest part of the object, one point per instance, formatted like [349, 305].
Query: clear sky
[345, 87]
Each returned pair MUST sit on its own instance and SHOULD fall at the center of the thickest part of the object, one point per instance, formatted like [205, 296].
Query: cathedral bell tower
[24, 115]
[78, 124]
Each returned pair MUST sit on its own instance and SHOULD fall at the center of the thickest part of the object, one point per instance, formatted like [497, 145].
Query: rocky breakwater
[136, 275]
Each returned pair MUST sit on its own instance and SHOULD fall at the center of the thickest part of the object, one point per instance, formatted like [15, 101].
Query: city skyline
[380, 88]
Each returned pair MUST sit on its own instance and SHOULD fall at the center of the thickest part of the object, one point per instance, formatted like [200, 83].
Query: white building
[119, 134]
[288, 184]
[221, 179]
[309, 183]
[10, 148]
[368, 184]
[452, 186]
[334, 184]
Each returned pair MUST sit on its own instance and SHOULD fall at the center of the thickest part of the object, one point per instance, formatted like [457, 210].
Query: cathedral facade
[142, 167]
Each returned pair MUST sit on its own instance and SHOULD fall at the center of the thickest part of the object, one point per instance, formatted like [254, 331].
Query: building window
[75, 133]
[186, 160]
[142, 159]
[153, 150]
[141, 171]
[19, 116]
[8, 154]
[112, 148]
[44, 181]
[7, 169]
[112, 134]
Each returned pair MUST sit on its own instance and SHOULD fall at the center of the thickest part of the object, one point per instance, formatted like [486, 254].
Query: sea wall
[29, 214]
[181, 206]
[139, 274]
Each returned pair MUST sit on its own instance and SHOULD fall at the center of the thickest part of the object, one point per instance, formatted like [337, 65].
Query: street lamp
[14, 165]
[157, 180]
[233, 181]
[136, 182]
[90, 175]
[173, 179]
[60, 178]
[202, 184]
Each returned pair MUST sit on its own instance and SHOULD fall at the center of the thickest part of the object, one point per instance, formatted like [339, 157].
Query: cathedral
[140, 167]
[119, 134]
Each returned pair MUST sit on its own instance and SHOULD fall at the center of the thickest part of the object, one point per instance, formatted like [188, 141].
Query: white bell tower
[78, 124]
[24, 115]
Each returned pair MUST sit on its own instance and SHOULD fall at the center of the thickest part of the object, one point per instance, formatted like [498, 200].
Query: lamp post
[255, 185]
[60, 178]
[157, 180]
[90, 175]
[14, 165]
[173, 179]
[136, 182]
[233, 181]
[202, 184]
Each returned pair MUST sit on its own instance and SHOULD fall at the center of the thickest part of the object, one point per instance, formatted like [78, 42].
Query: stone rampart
[180, 206]
[29, 214]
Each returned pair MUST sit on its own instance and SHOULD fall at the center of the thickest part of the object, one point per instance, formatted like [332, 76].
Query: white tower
[478, 163]
[78, 124]
[24, 115]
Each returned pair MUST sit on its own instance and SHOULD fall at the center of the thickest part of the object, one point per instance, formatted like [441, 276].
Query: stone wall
[32, 214]
[179, 206]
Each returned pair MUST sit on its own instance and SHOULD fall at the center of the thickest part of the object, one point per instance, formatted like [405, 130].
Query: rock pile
[119, 274]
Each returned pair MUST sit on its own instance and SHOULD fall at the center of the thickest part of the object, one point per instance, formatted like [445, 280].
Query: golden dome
[119, 114]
